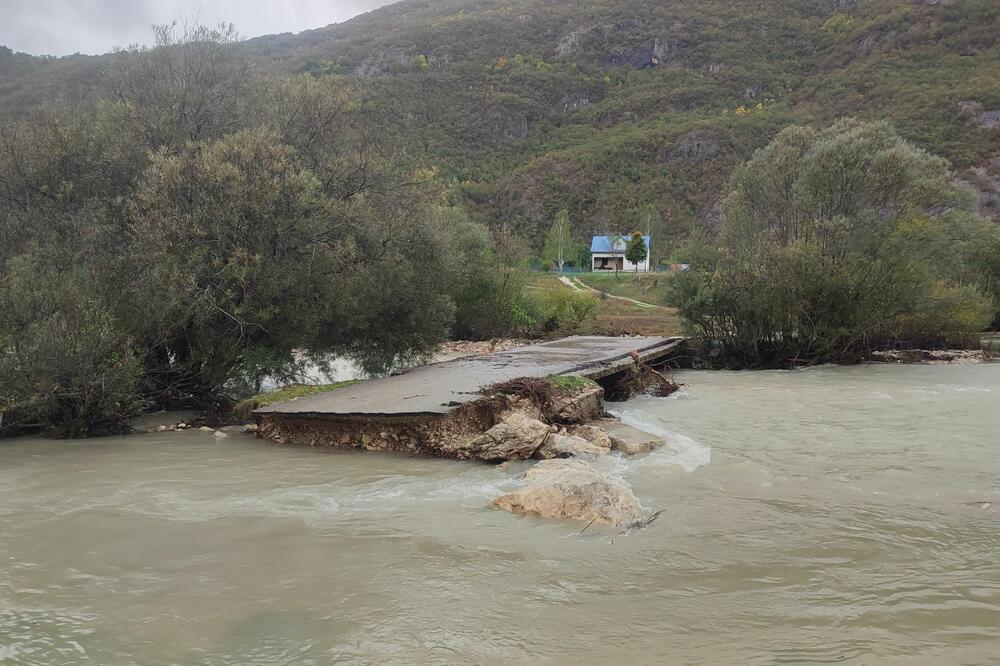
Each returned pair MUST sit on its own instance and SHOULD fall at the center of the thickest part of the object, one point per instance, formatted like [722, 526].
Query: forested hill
[630, 113]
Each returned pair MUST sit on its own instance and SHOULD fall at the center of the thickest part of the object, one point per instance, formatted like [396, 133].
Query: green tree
[836, 242]
[174, 244]
[635, 249]
[227, 231]
[489, 294]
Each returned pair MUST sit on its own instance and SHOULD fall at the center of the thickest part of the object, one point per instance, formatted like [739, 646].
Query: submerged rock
[516, 437]
[630, 441]
[558, 445]
[572, 489]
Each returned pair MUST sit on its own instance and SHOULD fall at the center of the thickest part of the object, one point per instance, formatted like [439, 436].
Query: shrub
[64, 359]
[559, 311]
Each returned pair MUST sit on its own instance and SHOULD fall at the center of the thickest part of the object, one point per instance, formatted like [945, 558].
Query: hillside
[609, 109]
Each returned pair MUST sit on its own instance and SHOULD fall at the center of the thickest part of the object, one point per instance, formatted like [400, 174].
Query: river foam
[680, 449]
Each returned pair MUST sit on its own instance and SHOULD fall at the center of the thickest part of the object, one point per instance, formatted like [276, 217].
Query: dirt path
[579, 285]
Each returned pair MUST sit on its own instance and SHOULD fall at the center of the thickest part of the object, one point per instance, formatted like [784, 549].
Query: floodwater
[832, 515]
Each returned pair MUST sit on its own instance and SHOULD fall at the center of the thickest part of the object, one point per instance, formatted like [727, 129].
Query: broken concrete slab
[440, 388]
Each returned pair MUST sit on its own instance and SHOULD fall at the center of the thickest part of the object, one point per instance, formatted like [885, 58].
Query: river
[830, 515]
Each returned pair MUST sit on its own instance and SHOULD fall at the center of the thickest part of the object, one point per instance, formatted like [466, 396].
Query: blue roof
[607, 243]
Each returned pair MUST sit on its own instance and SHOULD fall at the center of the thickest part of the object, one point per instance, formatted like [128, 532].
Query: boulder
[516, 437]
[560, 445]
[572, 489]
[631, 441]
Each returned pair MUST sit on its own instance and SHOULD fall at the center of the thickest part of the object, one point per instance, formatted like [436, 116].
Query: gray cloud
[59, 27]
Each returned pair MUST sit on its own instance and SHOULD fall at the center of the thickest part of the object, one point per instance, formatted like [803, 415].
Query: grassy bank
[645, 287]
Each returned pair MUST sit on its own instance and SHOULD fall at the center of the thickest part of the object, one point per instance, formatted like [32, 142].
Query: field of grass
[644, 287]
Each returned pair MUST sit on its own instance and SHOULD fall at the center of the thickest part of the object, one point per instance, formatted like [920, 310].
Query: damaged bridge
[433, 408]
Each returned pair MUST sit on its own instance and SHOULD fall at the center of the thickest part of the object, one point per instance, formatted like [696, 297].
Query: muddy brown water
[833, 515]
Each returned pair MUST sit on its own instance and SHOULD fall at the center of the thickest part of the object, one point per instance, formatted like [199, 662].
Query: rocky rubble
[221, 433]
[520, 435]
[931, 356]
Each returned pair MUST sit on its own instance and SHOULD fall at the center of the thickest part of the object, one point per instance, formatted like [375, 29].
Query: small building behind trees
[607, 253]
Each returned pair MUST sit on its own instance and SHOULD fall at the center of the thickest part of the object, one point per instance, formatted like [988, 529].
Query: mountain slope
[632, 113]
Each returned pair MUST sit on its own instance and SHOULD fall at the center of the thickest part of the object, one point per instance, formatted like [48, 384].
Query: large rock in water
[574, 490]
[559, 445]
[516, 437]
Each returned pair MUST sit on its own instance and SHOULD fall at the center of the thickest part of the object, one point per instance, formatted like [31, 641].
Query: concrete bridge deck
[439, 388]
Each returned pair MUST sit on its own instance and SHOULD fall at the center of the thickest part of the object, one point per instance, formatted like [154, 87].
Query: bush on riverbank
[837, 242]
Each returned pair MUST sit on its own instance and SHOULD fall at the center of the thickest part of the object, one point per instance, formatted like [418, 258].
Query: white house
[607, 253]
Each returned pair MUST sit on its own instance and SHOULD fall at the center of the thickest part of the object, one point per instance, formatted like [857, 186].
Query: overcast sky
[59, 27]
